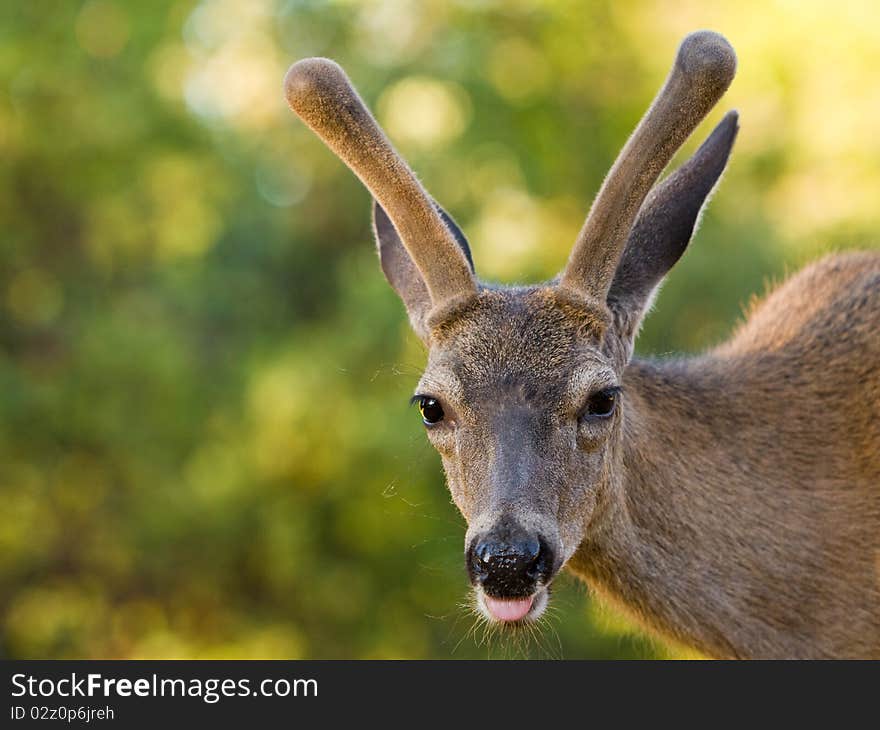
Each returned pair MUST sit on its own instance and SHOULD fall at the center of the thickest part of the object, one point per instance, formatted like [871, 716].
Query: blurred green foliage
[205, 449]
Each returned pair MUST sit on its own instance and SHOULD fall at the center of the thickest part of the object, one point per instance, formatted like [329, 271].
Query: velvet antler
[702, 71]
[320, 93]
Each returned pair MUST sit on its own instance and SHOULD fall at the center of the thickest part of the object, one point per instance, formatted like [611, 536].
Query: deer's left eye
[602, 403]
[430, 408]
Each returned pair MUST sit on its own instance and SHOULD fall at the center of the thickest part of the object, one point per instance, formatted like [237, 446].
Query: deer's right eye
[430, 408]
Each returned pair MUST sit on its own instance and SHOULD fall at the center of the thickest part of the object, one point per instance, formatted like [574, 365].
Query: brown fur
[731, 501]
[744, 512]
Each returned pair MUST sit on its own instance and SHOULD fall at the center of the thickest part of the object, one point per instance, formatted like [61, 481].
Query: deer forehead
[527, 344]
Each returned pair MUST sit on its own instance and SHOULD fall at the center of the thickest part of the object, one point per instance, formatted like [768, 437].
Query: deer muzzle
[510, 566]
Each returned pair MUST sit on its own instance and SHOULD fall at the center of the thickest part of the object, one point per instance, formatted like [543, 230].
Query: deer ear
[664, 227]
[402, 273]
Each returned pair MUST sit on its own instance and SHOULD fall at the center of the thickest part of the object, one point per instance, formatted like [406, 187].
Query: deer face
[522, 404]
[521, 394]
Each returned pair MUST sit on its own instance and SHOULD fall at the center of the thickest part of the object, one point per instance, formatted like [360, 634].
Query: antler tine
[703, 69]
[319, 92]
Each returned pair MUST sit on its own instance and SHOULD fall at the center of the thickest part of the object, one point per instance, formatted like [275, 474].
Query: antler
[702, 71]
[318, 90]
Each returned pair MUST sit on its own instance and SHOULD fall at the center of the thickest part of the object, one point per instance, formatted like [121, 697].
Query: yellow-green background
[205, 448]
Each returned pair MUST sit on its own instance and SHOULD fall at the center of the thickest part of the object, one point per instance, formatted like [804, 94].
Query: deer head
[523, 394]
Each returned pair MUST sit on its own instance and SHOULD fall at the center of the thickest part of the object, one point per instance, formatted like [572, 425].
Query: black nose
[509, 562]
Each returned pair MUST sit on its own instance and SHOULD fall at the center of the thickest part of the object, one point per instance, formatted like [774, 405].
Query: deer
[727, 501]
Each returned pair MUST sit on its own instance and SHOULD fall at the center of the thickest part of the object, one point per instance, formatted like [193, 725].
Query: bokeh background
[205, 447]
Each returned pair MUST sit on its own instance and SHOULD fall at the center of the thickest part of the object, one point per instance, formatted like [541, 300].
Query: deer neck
[666, 543]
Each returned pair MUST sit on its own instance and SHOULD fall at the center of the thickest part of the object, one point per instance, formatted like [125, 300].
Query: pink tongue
[508, 609]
